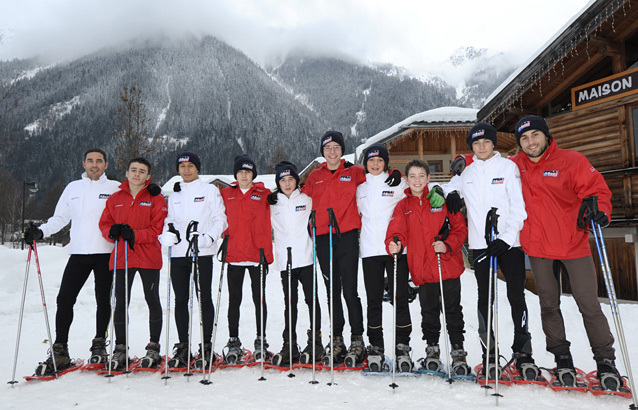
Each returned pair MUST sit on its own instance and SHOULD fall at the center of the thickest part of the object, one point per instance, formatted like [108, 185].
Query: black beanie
[285, 168]
[243, 161]
[376, 150]
[481, 130]
[333, 136]
[188, 156]
[531, 122]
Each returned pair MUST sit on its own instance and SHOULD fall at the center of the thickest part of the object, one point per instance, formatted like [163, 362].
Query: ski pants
[345, 268]
[150, 283]
[180, 277]
[512, 264]
[75, 275]
[430, 298]
[235, 286]
[582, 279]
[303, 275]
[374, 271]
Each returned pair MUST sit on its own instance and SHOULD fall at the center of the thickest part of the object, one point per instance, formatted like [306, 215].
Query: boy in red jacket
[423, 230]
[135, 214]
[248, 214]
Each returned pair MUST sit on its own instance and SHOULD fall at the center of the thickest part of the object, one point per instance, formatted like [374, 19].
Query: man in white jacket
[81, 203]
[289, 218]
[492, 181]
[193, 200]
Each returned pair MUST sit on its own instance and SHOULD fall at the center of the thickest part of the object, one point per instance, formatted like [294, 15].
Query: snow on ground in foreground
[240, 388]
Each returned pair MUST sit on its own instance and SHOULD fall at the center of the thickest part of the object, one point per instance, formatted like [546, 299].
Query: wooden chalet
[585, 83]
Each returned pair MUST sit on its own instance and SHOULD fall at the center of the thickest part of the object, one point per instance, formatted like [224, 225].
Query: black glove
[115, 231]
[154, 189]
[454, 202]
[272, 197]
[32, 233]
[589, 212]
[394, 178]
[177, 187]
[128, 234]
[173, 230]
[458, 165]
[497, 247]
[347, 164]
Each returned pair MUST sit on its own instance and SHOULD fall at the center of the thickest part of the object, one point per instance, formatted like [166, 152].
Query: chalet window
[435, 166]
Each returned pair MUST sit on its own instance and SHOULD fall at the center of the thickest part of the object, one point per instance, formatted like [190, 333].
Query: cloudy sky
[416, 34]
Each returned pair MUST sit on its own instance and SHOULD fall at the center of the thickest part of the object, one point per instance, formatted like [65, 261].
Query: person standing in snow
[81, 203]
[135, 215]
[555, 184]
[249, 230]
[193, 200]
[289, 215]
[492, 181]
[376, 202]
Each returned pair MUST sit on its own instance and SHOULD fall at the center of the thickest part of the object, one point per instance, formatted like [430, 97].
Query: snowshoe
[306, 354]
[181, 356]
[60, 353]
[491, 367]
[608, 375]
[153, 358]
[459, 362]
[403, 359]
[283, 357]
[376, 359]
[257, 351]
[565, 371]
[357, 352]
[98, 351]
[204, 357]
[526, 367]
[432, 360]
[235, 352]
[118, 361]
[338, 355]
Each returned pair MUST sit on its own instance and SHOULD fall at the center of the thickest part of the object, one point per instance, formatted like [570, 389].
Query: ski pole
[191, 282]
[223, 250]
[126, 302]
[489, 220]
[331, 216]
[289, 267]
[394, 317]
[112, 321]
[444, 311]
[24, 296]
[494, 273]
[171, 228]
[262, 262]
[313, 223]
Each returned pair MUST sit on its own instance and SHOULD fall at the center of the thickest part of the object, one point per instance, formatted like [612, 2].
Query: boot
[490, 367]
[608, 375]
[181, 356]
[357, 352]
[339, 353]
[257, 352]
[204, 356]
[306, 355]
[118, 361]
[235, 352]
[432, 360]
[526, 367]
[404, 361]
[459, 362]
[62, 361]
[565, 371]
[376, 359]
[98, 351]
[153, 357]
[283, 357]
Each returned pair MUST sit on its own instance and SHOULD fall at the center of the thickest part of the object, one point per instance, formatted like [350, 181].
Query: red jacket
[338, 191]
[248, 223]
[553, 189]
[145, 214]
[416, 224]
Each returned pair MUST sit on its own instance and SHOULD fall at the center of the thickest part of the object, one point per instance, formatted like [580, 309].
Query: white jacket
[82, 203]
[201, 202]
[486, 184]
[376, 201]
[289, 219]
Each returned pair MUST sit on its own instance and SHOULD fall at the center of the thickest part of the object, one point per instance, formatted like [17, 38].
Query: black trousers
[75, 275]
[235, 286]
[303, 275]
[180, 277]
[430, 298]
[345, 266]
[150, 283]
[374, 271]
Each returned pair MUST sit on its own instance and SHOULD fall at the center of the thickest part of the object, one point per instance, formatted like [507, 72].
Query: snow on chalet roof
[437, 116]
[268, 180]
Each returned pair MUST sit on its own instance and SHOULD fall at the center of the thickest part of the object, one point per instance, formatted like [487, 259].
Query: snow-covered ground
[240, 388]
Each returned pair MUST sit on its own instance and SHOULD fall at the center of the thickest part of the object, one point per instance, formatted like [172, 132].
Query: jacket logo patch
[300, 208]
[592, 169]
[387, 193]
[553, 174]
[436, 210]
[498, 181]
[104, 196]
[199, 199]
[145, 203]
[345, 178]
[256, 197]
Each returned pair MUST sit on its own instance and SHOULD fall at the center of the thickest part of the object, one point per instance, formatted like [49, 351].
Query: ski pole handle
[396, 240]
[262, 257]
[224, 248]
[289, 264]
[313, 219]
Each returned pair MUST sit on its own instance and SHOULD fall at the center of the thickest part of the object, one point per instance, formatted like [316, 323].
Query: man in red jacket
[427, 231]
[555, 181]
[135, 214]
[248, 214]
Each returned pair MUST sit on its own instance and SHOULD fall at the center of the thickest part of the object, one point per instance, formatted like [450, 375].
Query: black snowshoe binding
[257, 352]
[181, 356]
[338, 355]
[459, 362]
[357, 352]
[204, 356]
[306, 354]
[98, 351]
[432, 360]
[403, 359]
[283, 357]
[608, 375]
[376, 359]
[118, 361]
[526, 367]
[235, 352]
[565, 371]
[62, 361]
[152, 358]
